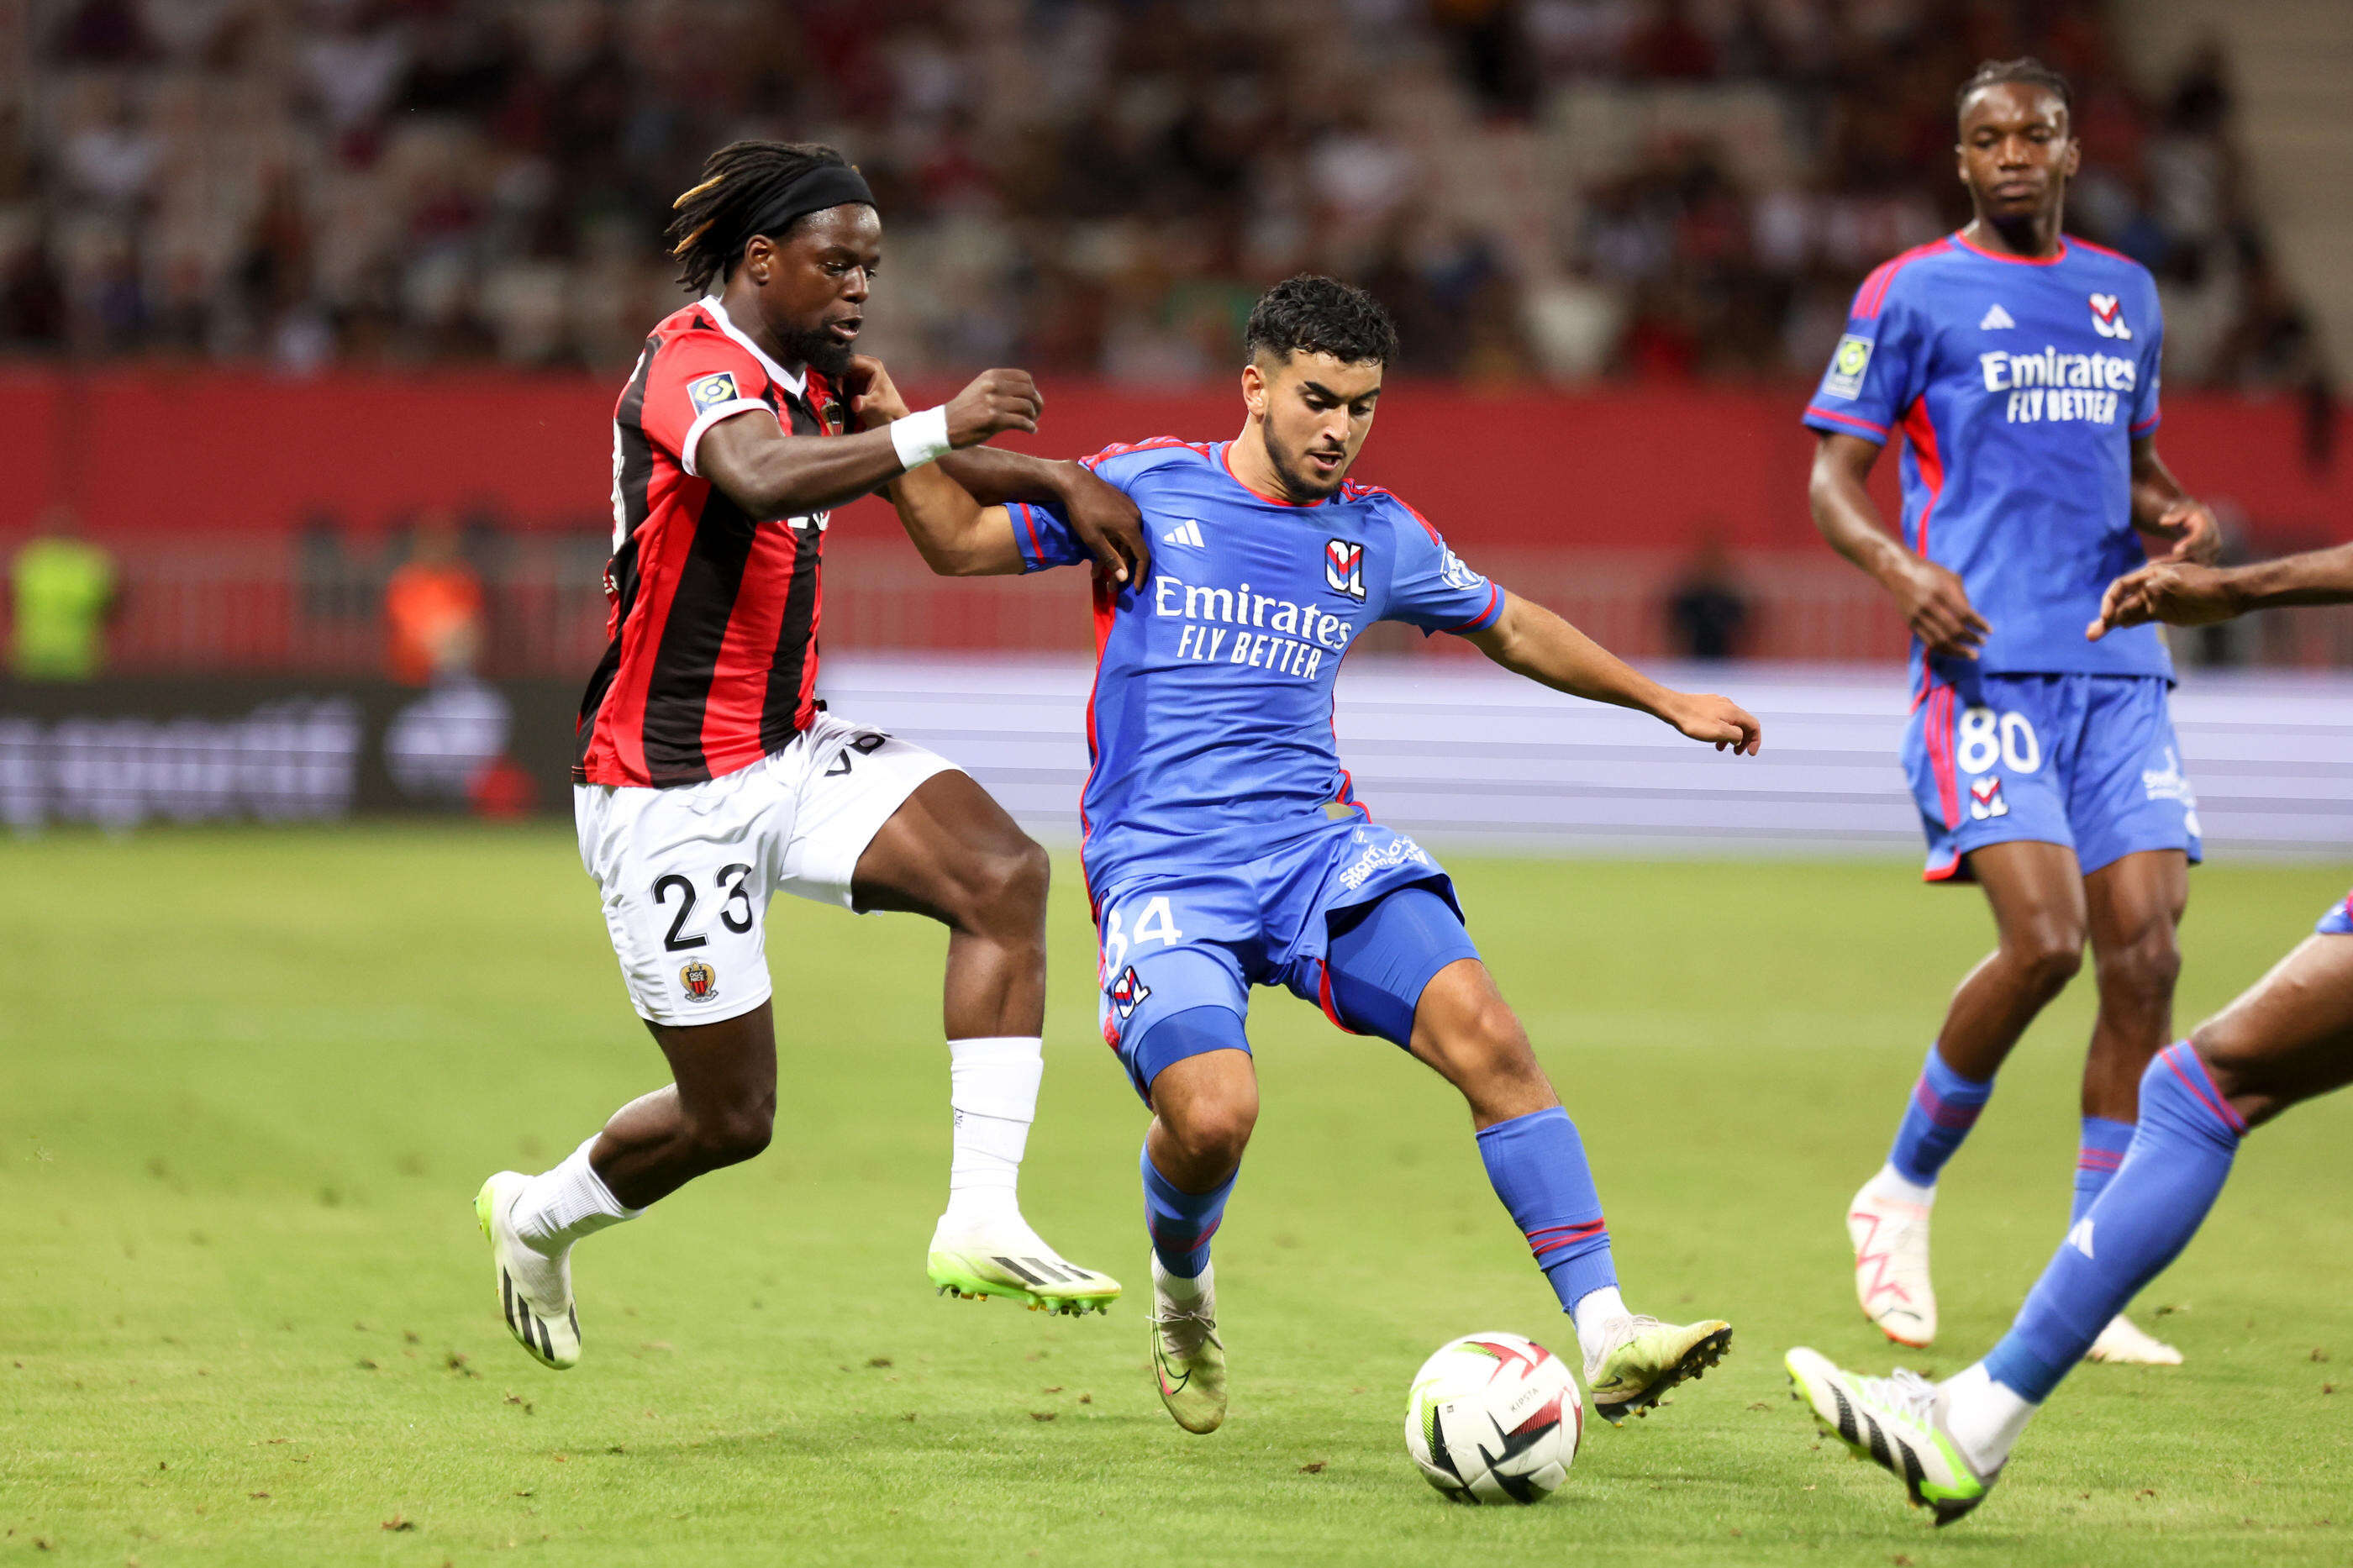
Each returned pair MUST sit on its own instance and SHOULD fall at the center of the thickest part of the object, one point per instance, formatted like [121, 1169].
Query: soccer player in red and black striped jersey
[709, 777]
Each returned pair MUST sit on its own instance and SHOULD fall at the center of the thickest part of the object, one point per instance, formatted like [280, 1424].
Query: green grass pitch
[249, 1081]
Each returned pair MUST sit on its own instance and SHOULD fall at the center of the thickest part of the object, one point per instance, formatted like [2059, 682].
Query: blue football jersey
[2019, 387]
[1210, 726]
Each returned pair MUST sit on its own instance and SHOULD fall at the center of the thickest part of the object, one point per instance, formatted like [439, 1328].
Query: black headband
[827, 185]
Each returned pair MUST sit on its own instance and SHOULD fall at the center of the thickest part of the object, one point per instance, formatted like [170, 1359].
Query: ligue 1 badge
[1847, 365]
[702, 981]
[1343, 567]
[710, 392]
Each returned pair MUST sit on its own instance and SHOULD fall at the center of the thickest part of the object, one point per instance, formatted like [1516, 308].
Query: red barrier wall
[142, 449]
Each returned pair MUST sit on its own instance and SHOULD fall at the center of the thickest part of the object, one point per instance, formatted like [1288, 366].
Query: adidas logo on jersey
[1995, 319]
[1186, 532]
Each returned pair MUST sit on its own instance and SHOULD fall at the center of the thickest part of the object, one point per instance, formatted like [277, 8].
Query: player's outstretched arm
[1101, 516]
[1934, 605]
[2162, 510]
[956, 536]
[2184, 594]
[1530, 641]
[770, 474]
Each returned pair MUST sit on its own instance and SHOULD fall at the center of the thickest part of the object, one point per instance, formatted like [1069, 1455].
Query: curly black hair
[2025, 71]
[1308, 314]
[709, 233]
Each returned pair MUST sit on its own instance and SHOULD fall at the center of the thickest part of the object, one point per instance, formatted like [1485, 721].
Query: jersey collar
[2013, 260]
[790, 381]
[1225, 462]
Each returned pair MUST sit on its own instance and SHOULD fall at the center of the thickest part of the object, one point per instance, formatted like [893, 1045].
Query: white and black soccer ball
[1494, 1418]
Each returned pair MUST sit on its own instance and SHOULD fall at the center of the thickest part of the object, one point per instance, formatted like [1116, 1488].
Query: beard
[819, 350]
[1301, 482]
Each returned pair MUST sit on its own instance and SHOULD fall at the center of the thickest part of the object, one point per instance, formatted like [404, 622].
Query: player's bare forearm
[956, 536]
[992, 477]
[2186, 593]
[2316, 577]
[1102, 519]
[1936, 605]
[770, 474]
[1531, 641]
[2165, 513]
[1844, 513]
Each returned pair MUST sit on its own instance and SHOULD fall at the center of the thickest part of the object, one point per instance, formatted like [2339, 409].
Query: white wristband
[921, 438]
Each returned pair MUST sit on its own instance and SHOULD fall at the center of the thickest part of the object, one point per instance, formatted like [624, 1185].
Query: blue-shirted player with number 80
[1225, 848]
[2019, 366]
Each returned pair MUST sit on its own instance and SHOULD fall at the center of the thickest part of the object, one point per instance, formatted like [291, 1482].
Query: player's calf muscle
[1466, 1030]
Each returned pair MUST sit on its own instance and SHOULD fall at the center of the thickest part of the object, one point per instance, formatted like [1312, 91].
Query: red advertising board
[141, 449]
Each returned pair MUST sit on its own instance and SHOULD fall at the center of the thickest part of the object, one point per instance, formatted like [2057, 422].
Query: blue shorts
[2338, 921]
[2087, 761]
[1202, 936]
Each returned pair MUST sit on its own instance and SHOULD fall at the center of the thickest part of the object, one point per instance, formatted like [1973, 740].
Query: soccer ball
[1494, 1418]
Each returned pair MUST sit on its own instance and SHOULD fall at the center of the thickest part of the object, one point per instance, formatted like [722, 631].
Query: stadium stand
[1554, 189]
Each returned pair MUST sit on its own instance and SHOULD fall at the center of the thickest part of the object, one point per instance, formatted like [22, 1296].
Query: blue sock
[2103, 1150]
[1942, 1108]
[2178, 1160]
[1181, 1223]
[1537, 1164]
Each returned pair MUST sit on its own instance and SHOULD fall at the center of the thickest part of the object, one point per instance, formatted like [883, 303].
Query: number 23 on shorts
[735, 880]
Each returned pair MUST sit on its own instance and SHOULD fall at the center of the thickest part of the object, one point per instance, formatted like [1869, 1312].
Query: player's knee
[1492, 1046]
[1214, 1130]
[732, 1135]
[2050, 953]
[1005, 890]
[2144, 969]
[2233, 1055]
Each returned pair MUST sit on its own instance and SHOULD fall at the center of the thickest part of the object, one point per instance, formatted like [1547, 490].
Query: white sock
[563, 1204]
[993, 1090]
[1180, 1290]
[1985, 1417]
[1896, 1187]
[1595, 1311]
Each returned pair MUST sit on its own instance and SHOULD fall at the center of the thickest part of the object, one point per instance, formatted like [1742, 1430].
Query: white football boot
[2124, 1343]
[1898, 1424]
[534, 1289]
[999, 1255]
[1891, 1266]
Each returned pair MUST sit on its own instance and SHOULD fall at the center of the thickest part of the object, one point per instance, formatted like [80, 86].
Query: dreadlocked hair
[2026, 71]
[738, 181]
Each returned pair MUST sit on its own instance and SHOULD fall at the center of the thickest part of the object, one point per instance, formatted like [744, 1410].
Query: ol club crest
[1343, 567]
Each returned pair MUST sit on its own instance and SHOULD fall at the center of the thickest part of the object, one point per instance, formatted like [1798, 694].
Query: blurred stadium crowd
[1541, 189]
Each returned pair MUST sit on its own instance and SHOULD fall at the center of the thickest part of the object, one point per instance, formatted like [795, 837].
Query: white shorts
[686, 873]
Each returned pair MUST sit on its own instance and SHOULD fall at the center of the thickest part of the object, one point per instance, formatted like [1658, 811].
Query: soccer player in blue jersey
[2019, 366]
[1225, 848]
[2287, 1039]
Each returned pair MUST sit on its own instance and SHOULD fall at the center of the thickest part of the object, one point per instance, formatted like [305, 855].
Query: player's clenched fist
[874, 401]
[1718, 720]
[995, 402]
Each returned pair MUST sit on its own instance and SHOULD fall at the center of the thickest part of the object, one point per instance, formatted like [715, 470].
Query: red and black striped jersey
[712, 661]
